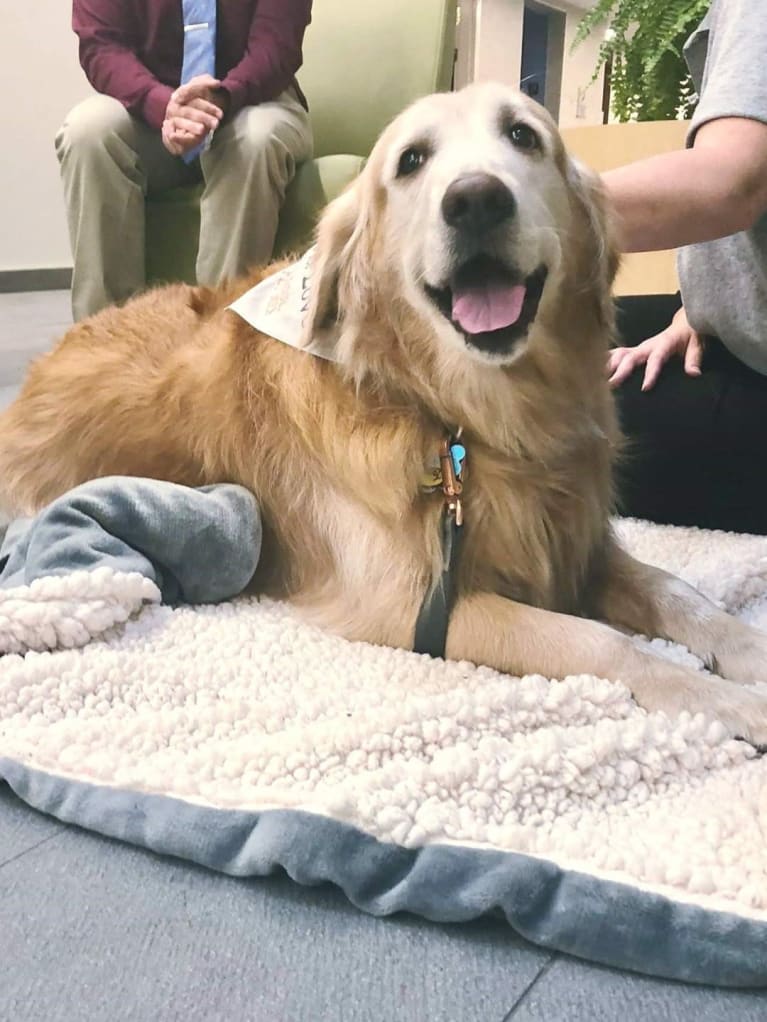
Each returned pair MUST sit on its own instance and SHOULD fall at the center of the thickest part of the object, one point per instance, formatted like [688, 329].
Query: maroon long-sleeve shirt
[133, 49]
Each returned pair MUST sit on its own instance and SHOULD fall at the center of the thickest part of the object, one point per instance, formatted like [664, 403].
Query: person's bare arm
[718, 187]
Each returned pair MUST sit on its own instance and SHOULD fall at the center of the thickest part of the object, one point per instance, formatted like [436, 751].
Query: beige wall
[40, 79]
[497, 40]
[581, 98]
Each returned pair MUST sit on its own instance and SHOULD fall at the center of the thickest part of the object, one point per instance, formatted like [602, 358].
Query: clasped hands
[194, 110]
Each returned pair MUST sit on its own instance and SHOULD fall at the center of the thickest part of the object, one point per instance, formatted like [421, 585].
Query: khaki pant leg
[246, 171]
[109, 161]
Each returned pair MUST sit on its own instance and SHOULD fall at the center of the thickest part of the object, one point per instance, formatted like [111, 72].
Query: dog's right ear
[339, 279]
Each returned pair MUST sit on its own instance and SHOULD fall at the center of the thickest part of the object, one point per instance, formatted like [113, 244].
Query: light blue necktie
[199, 48]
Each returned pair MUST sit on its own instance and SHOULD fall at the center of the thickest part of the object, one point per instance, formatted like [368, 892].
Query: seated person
[697, 423]
[238, 122]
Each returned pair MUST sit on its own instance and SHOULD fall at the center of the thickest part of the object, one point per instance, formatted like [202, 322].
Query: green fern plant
[649, 80]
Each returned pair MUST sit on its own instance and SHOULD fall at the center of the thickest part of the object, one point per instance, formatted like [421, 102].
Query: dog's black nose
[477, 202]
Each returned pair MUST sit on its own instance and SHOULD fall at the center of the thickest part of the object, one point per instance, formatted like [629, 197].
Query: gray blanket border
[599, 920]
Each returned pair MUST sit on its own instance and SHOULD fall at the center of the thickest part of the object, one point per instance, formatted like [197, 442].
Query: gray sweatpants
[110, 161]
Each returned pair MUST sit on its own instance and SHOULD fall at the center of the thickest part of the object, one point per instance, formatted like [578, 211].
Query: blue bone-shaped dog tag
[458, 454]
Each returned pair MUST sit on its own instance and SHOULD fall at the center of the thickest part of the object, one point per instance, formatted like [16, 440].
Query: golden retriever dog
[463, 283]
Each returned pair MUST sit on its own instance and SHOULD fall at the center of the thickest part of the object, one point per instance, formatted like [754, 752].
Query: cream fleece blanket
[243, 706]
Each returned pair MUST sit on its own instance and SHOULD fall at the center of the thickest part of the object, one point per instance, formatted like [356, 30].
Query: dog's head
[470, 213]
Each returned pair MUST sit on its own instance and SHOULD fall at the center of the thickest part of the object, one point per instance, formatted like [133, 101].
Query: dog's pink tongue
[489, 307]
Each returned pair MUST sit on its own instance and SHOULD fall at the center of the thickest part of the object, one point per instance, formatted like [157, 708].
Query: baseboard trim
[51, 278]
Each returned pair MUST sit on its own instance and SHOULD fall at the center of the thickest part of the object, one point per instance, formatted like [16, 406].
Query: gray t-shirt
[724, 282]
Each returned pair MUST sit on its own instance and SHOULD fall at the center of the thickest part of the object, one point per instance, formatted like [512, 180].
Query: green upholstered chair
[363, 63]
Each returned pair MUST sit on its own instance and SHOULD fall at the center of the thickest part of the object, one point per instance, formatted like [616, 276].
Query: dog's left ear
[588, 191]
[339, 268]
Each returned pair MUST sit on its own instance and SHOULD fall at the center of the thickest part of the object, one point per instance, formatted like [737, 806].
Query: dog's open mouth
[489, 303]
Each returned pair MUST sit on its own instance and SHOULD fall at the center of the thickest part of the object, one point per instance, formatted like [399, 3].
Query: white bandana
[278, 307]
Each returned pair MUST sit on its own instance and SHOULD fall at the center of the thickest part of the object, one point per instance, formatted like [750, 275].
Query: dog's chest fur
[534, 532]
[537, 535]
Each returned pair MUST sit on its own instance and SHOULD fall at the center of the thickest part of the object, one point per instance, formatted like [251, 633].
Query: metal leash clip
[451, 459]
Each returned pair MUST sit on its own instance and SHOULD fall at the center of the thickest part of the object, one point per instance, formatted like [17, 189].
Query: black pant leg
[641, 316]
[694, 452]
[739, 455]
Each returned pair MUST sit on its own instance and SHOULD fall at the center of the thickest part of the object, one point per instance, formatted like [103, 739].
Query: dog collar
[434, 615]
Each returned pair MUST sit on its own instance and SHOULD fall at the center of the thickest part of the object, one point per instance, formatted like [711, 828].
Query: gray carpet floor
[93, 930]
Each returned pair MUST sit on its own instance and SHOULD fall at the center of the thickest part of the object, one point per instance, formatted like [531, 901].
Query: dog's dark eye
[523, 137]
[412, 158]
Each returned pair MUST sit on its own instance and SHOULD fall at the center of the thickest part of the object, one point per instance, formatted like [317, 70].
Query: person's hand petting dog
[194, 110]
[678, 339]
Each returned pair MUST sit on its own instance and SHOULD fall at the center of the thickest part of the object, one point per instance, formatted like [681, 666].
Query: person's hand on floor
[678, 339]
[194, 110]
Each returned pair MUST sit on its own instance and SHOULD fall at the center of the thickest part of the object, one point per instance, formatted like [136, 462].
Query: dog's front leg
[518, 639]
[645, 599]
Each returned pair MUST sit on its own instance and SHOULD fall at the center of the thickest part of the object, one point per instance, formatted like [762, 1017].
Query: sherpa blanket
[243, 739]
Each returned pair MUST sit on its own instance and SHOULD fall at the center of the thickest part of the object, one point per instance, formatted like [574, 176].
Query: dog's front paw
[742, 656]
[743, 713]
[742, 710]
